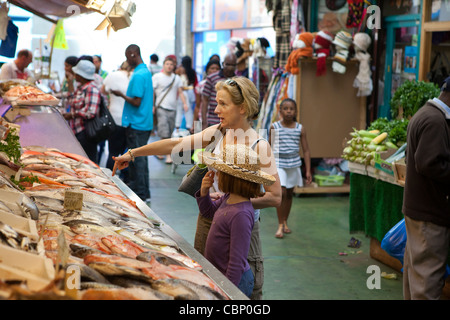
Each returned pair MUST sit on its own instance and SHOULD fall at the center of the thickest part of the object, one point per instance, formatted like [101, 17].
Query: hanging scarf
[355, 13]
[322, 55]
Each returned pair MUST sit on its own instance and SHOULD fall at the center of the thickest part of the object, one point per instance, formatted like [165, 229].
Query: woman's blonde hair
[243, 92]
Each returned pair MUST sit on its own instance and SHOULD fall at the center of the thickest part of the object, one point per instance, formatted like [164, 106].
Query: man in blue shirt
[137, 118]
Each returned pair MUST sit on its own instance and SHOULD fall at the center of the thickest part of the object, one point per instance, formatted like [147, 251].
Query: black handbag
[101, 126]
[192, 181]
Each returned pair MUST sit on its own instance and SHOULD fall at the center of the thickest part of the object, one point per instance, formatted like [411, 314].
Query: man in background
[18, 69]
[154, 67]
[137, 118]
[209, 102]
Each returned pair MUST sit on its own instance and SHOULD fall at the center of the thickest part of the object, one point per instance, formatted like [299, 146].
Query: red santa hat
[324, 39]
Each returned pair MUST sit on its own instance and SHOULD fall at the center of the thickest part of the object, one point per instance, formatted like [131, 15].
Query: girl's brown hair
[244, 188]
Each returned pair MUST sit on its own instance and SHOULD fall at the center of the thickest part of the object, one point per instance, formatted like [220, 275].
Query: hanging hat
[85, 69]
[362, 41]
[239, 161]
[343, 39]
[324, 39]
[334, 5]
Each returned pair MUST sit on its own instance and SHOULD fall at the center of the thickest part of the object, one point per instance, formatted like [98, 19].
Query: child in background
[285, 137]
[228, 240]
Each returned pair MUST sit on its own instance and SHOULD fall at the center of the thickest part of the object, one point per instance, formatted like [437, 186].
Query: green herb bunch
[11, 146]
[411, 96]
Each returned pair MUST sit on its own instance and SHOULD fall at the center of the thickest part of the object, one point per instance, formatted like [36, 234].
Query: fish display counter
[90, 226]
[42, 126]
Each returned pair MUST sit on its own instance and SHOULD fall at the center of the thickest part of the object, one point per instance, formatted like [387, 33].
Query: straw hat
[239, 161]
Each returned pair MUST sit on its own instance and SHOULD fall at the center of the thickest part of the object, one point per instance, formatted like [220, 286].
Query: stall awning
[117, 13]
[50, 10]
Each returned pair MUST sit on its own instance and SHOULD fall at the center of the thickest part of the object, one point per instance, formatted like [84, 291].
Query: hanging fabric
[9, 45]
[4, 8]
[355, 15]
[282, 27]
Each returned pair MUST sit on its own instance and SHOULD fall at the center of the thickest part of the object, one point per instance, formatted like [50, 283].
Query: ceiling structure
[117, 12]
[51, 10]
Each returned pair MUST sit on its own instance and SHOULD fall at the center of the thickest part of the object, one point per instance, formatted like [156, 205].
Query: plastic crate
[329, 181]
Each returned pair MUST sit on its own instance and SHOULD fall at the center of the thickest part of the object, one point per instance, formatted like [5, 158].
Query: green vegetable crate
[329, 181]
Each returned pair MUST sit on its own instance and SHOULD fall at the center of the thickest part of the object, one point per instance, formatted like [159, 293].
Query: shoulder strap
[215, 138]
[167, 89]
[256, 142]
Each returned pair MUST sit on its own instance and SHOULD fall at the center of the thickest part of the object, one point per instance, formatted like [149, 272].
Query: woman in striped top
[286, 136]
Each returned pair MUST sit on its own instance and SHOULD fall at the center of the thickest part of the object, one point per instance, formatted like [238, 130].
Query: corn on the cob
[380, 138]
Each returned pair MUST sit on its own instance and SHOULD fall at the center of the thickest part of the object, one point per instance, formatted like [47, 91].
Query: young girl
[228, 242]
[286, 136]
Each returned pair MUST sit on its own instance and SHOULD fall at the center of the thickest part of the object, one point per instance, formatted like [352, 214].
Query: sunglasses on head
[233, 83]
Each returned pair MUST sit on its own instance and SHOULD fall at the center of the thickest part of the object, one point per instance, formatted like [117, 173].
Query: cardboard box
[382, 164]
[357, 168]
[400, 171]
[24, 226]
[37, 270]
[12, 199]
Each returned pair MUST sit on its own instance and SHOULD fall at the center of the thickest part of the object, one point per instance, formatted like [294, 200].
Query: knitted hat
[307, 38]
[239, 161]
[362, 41]
[343, 39]
[324, 39]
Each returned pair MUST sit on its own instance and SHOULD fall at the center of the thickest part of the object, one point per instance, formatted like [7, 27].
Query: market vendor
[18, 69]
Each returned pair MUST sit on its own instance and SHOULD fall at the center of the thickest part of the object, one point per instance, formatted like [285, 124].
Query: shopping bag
[394, 241]
[101, 126]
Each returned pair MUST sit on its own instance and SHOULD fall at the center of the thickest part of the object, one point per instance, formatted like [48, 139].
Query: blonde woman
[237, 106]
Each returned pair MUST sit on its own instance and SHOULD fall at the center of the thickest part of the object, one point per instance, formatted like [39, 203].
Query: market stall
[67, 214]
[378, 173]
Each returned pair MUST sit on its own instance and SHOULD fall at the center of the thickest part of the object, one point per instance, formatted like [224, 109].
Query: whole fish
[157, 237]
[175, 288]
[160, 257]
[89, 274]
[121, 245]
[108, 269]
[84, 226]
[119, 294]
[160, 271]
[9, 236]
[79, 250]
[139, 241]
[90, 240]
[98, 285]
